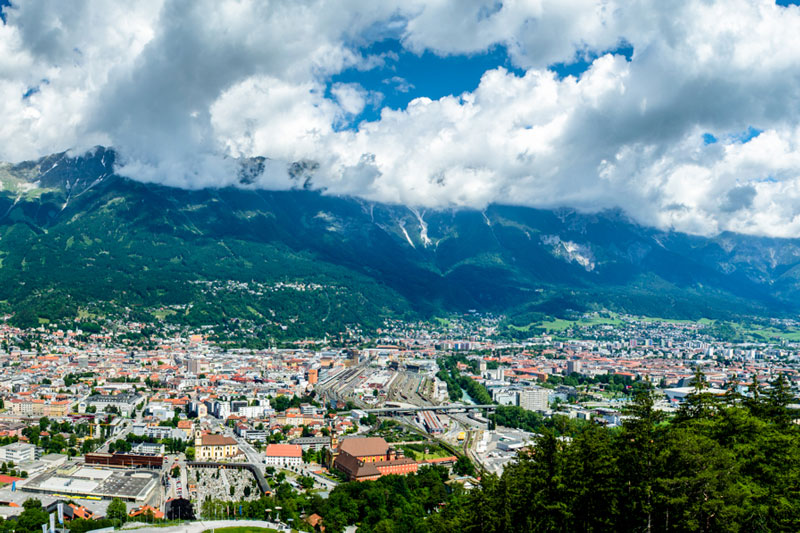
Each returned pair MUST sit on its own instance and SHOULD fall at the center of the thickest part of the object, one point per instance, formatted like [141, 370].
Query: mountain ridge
[105, 233]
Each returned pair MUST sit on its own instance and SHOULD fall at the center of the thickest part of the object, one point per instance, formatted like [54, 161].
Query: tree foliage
[720, 465]
[117, 510]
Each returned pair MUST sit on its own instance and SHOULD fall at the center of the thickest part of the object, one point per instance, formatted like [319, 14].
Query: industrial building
[120, 459]
[431, 421]
[313, 443]
[87, 482]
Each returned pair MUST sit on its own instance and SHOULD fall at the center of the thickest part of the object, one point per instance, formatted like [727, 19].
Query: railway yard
[465, 431]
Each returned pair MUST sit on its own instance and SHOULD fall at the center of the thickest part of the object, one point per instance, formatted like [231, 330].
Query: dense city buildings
[83, 414]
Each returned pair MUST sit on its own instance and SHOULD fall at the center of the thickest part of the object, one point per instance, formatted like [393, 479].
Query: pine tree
[699, 403]
[754, 401]
[591, 477]
[778, 400]
[638, 459]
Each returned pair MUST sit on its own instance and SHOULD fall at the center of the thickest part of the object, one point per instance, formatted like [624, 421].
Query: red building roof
[284, 450]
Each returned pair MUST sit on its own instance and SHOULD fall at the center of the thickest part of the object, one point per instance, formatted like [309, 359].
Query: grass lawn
[435, 453]
[704, 321]
[560, 324]
[443, 322]
[161, 314]
[765, 333]
[426, 456]
[242, 530]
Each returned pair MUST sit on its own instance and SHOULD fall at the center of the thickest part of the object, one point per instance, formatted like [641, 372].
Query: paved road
[184, 480]
[178, 487]
[305, 469]
[126, 428]
[200, 526]
[253, 456]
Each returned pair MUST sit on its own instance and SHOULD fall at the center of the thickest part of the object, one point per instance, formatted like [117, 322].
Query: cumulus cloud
[182, 89]
[399, 84]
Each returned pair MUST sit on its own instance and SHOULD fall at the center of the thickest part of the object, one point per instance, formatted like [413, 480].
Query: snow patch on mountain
[423, 227]
[405, 232]
[570, 251]
[332, 223]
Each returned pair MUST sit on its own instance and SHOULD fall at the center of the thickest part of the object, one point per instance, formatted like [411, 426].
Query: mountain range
[75, 234]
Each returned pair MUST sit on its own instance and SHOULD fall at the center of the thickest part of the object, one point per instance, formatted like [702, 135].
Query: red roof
[144, 509]
[284, 450]
[81, 512]
[217, 440]
[364, 446]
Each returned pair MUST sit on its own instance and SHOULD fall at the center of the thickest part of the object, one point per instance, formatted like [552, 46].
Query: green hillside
[74, 235]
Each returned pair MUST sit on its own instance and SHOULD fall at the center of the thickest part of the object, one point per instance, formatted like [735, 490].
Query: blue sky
[740, 137]
[584, 60]
[405, 75]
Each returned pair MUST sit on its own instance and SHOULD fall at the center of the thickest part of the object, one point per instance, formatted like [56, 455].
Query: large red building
[368, 458]
[124, 459]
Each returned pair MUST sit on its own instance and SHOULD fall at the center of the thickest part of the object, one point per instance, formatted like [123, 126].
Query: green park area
[242, 530]
[424, 452]
[732, 331]
[557, 325]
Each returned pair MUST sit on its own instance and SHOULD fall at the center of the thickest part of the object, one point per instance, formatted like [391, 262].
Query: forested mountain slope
[72, 232]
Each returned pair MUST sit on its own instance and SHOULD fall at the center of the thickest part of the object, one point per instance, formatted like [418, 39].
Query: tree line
[729, 463]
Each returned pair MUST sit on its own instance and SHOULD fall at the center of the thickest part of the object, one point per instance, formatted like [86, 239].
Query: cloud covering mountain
[694, 128]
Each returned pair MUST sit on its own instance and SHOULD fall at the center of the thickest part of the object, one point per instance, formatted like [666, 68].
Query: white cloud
[352, 98]
[181, 88]
[399, 84]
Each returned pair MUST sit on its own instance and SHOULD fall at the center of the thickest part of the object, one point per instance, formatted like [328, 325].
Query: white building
[17, 452]
[150, 448]
[250, 434]
[160, 410]
[253, 411]
[156, 432]
[679, 394]
[506, 397]
[125, 403]
[283, 455]
[536, 399]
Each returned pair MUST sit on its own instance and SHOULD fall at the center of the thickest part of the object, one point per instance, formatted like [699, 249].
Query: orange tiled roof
[145, 508]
